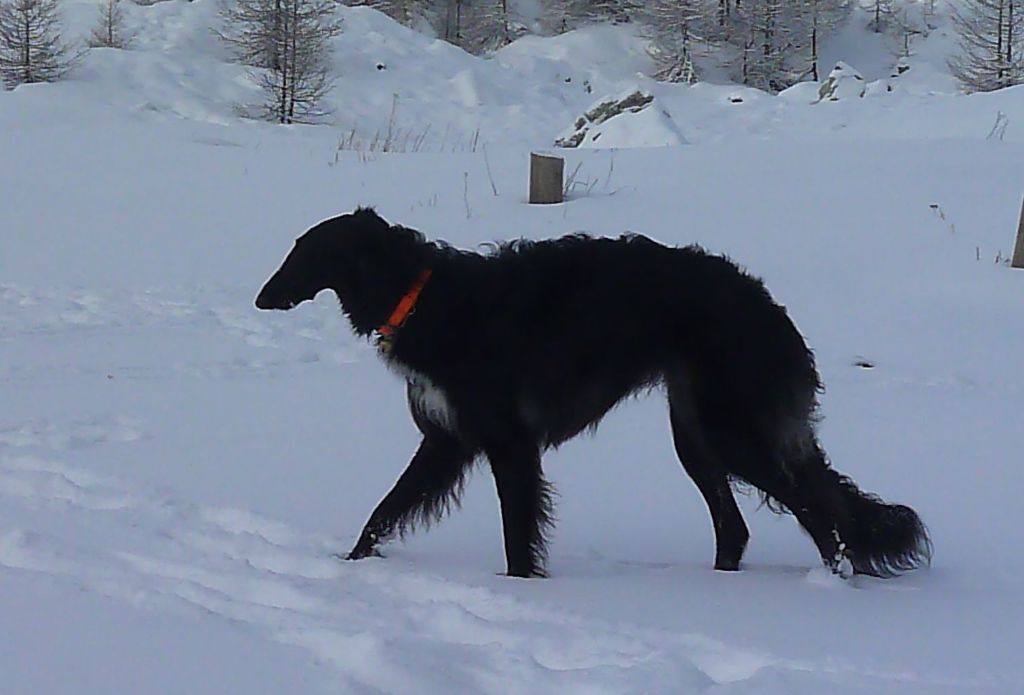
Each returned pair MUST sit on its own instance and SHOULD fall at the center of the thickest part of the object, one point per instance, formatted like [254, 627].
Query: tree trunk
[814, 50]
[1009, 42]
[26, 58]
[293, 64]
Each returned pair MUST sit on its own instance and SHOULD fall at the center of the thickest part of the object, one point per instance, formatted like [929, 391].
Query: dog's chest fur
[429, 401]
[426, 399]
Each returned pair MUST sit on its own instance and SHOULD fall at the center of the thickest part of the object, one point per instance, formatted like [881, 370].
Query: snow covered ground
[177, 469]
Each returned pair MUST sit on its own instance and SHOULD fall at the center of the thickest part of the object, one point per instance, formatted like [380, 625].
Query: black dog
[513, 352]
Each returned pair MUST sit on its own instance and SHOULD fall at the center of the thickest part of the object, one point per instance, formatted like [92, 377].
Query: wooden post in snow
[1018, 248]
[546, 173]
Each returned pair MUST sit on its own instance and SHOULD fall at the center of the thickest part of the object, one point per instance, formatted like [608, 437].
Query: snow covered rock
[630, 119]
[843, 82]
[879, 87]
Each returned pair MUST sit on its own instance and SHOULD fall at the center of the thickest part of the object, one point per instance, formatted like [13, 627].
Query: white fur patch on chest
[429, 401]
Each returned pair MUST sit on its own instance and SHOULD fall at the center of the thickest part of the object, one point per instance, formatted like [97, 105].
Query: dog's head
[359, 256]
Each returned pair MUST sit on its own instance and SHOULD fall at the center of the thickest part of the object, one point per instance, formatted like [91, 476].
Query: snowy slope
[177, 469]
[431, 96]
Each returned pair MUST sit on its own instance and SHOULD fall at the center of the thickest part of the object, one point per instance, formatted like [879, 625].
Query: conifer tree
[675, 28]
[489, 25]
[819, 18]
[32, 48]
[991, 44]
[109, 31]
[881, 13]
[766, 44]
[405, 12]
[560, 16]
[287, 44]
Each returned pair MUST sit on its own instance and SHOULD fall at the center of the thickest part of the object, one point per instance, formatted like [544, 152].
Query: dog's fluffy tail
[885, 539]
[879, 539]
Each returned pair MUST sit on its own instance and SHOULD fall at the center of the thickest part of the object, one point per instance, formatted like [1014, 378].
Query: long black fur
[515, 351]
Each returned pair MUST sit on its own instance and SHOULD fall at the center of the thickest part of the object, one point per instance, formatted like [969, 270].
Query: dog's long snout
[265, 304]
[262, 302]
[266, 300]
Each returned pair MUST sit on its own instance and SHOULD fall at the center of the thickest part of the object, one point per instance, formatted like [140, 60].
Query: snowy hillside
[177, 469]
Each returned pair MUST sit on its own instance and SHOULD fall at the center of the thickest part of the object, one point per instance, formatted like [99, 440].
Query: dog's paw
[533, 573]
[843, 568]
[361, 553]
[840, 563]
[727, 562]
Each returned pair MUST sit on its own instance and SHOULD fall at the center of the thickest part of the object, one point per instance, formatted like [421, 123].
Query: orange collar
[403, 309]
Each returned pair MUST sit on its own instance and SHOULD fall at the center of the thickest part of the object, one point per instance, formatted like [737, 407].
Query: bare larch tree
[819, 18]
[287, 42]
[881, 12]
[487, 25]
[110, 32]
[402, 11]
[767, 43]
[31, 46]
[560, 16]
[675, 28]
[991, 44]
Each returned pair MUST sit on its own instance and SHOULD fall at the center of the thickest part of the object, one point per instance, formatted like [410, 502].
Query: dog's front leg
[526, 506]
[424, 492]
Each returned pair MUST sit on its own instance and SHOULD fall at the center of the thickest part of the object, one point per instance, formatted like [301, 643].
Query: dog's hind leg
[526, 505]
[868, 535]
[817, 507]
[698, 459]
[430, 485]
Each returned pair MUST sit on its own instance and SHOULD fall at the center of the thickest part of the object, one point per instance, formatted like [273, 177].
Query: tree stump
[1018, 248]
[546, 173]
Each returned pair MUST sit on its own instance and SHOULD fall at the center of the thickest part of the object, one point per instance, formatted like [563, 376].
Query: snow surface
[177, 469]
